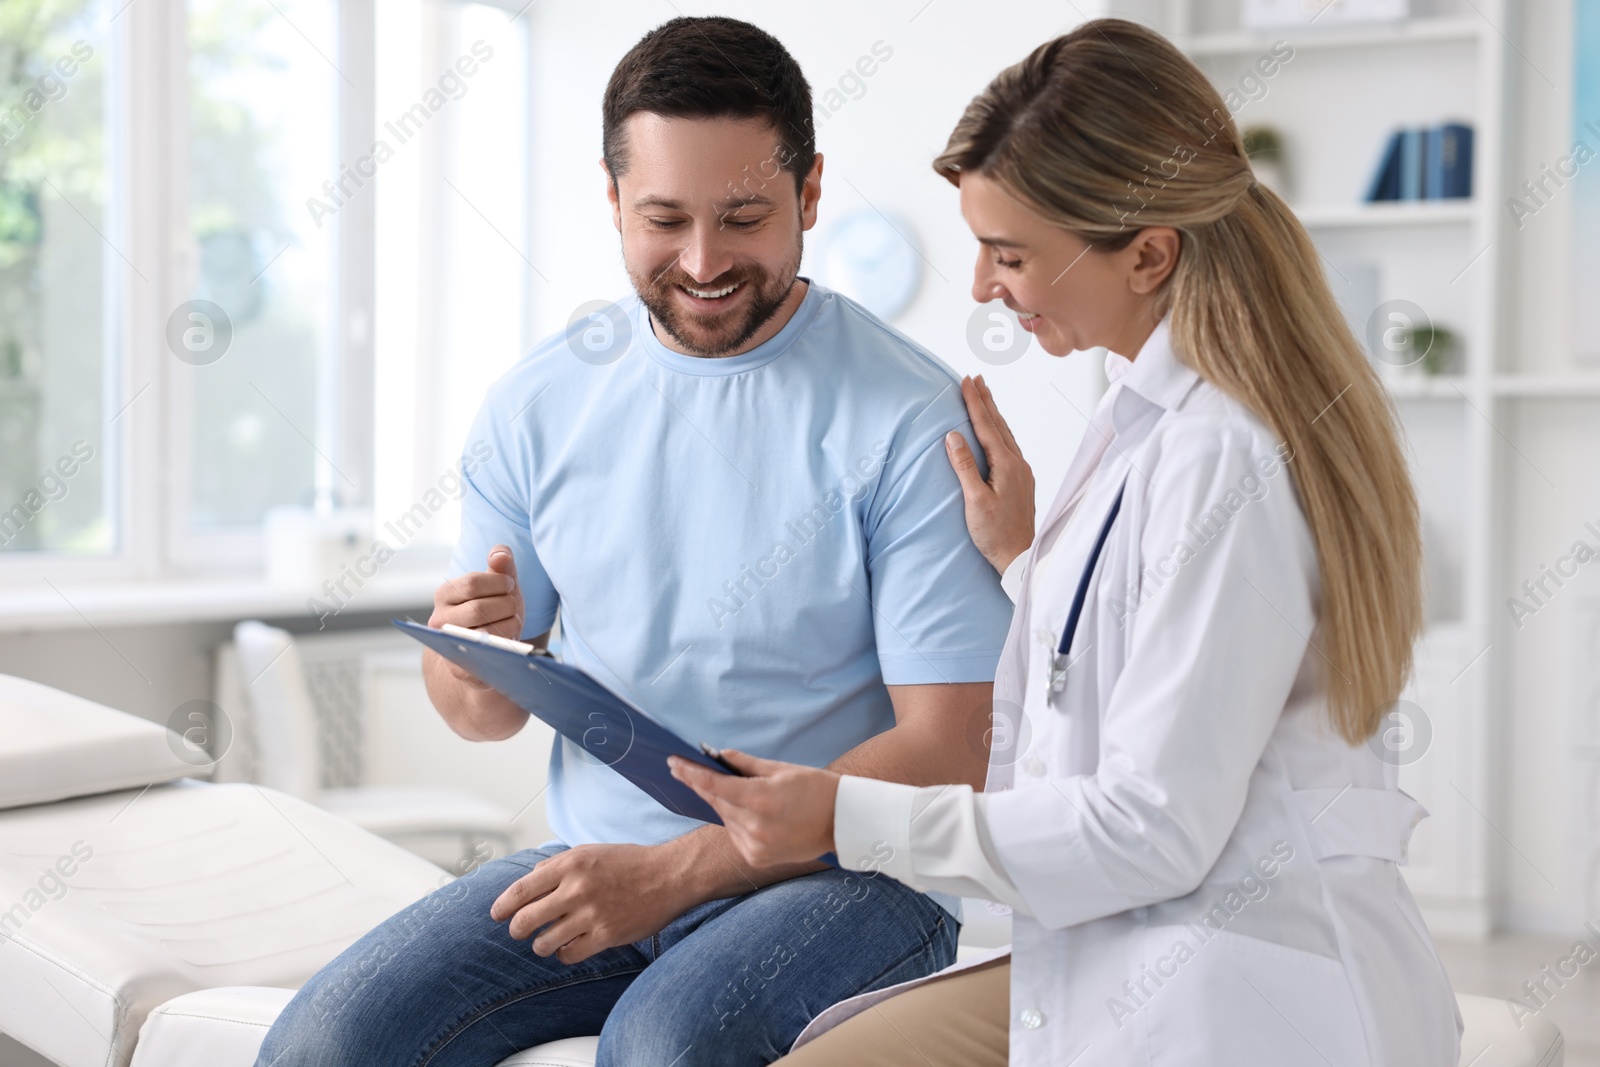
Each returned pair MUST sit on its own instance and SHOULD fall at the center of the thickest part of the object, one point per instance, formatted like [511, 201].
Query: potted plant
[1264, 146]
[1438, 349]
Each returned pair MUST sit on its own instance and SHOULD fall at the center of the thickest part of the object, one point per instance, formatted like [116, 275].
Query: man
[735, 491]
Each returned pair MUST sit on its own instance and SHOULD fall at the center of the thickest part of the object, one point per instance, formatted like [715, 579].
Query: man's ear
[612, 195]
[1154, 256]
[810, 194]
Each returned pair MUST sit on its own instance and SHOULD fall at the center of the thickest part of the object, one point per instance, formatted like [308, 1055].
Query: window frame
[185, 552]
[149, 436]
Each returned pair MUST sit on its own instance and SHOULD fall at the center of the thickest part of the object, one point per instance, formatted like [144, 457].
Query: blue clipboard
[584, 712]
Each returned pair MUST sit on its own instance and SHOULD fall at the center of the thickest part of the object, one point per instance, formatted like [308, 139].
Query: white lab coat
[1202, 871]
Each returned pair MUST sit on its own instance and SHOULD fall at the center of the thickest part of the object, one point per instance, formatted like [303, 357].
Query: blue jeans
[730, 981]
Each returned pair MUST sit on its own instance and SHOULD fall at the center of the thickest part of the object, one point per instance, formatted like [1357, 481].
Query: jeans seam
[926, 945]
[910, 900]
[494, 1006]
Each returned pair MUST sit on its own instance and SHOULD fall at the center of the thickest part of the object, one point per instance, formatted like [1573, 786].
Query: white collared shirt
[935, 832]
[1131, 819]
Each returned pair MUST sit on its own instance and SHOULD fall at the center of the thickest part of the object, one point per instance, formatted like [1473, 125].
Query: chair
[450, 828]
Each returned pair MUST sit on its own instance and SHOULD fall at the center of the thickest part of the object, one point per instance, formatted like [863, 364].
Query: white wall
[1558, 441]
[878, 150]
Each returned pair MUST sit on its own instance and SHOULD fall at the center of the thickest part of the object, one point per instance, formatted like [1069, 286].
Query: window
[452, 240]
[244, 264]
[263, 106]
[59, 282]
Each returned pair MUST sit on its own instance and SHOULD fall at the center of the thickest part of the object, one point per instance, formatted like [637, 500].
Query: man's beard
[725, 333]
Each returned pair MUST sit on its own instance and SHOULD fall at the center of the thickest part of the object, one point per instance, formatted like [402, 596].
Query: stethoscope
[1059, 662]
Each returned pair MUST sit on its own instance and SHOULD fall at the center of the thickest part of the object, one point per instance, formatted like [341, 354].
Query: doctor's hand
[1000, 510]
[593, 897]
[487, 600]
[781, 813]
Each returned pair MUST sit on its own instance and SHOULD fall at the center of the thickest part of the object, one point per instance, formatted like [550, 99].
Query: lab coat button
[1032, 1018]
[1034, 766]
[1044, 637]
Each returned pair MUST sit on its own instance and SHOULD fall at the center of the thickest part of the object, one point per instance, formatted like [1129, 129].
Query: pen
[522, 648]
[716, 754]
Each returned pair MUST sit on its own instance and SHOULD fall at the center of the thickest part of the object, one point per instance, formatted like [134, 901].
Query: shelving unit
[1441, 387]
[1335, 103]
[1574, 386]
[1415, 31]
[1394, 213]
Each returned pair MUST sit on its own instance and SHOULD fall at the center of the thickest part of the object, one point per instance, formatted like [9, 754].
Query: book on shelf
[1434, 163]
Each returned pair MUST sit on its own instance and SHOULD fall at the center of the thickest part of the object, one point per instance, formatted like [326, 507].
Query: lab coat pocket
[1243, 1001]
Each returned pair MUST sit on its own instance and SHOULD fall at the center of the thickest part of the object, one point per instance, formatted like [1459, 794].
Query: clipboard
[580, 709]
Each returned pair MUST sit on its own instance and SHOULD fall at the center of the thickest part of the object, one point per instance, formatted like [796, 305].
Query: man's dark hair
[712, 68]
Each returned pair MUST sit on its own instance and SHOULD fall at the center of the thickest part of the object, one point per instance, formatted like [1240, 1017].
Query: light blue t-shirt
[747, 548]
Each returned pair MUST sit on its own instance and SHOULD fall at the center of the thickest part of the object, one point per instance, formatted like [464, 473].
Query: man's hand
[483, 600]
[593, 897]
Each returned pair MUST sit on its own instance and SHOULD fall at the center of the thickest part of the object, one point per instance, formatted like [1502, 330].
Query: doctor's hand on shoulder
[999, 509]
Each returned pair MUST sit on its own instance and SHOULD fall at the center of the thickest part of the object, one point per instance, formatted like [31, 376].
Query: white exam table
[126, 887]
[133, 897]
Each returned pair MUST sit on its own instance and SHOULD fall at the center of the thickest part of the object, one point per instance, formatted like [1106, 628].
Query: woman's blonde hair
[1110, 129]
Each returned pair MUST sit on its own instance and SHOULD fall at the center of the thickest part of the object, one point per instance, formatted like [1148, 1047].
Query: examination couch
[152, 920]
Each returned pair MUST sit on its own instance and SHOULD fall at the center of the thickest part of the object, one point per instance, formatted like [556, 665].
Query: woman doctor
[1185, 807]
